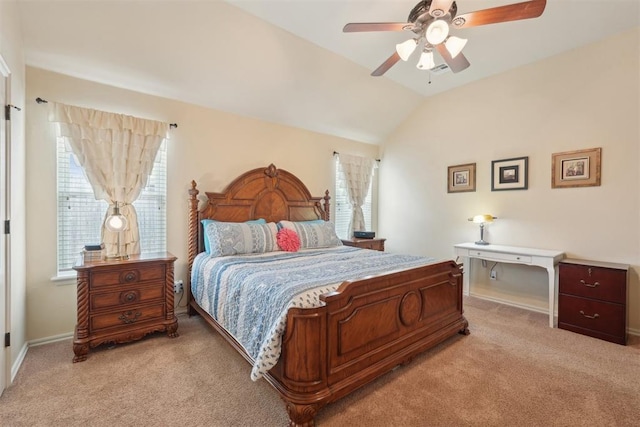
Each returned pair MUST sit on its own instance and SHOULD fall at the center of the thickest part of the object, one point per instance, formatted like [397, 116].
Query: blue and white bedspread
[249, 295]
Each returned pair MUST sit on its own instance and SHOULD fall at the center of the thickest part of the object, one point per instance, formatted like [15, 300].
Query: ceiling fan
[431, 21]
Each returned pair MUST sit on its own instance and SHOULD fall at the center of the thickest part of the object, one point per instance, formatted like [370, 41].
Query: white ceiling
[288, 61]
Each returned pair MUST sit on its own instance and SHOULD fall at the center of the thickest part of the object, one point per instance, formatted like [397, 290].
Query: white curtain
[357, 175]
[117, 153]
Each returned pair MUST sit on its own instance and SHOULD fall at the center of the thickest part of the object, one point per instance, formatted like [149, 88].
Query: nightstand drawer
[126, 297]
[376, 244]
[129, 316]
[129, 275]
[600, 317]
[604, 284]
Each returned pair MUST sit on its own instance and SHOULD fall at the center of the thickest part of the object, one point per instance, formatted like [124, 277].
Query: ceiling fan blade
[456, 64]
[377, 26]
[384, 67]
[510, 12]
[440, 8]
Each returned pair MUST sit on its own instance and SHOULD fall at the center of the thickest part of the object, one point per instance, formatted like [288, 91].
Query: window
[80, 215]
[343, 209]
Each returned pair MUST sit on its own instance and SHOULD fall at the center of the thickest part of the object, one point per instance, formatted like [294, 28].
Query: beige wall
[582, 99]
[12, 52]
[210, 147]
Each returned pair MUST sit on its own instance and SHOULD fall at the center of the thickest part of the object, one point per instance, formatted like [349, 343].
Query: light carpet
[512, 370]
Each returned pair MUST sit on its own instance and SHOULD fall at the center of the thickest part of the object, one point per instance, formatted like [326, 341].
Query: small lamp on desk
[482, 220]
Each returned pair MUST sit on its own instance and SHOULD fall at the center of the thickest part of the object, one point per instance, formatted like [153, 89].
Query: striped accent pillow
[313, 235]
[229, 238]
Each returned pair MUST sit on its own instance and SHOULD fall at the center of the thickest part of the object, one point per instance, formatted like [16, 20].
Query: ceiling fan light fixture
[455, 45]
[437, 32]
[426, 60]
[406, 48]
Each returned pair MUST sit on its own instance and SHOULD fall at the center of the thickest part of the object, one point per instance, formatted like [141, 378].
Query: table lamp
[116, 223]
[482, 220]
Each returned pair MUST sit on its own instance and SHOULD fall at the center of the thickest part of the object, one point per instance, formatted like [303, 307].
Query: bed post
[193, 239]
[327, 209]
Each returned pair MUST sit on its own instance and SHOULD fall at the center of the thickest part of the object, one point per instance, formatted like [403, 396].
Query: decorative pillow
[209, 221]
[314, 235]
[288, 240]
[233, 238]
[311, 221]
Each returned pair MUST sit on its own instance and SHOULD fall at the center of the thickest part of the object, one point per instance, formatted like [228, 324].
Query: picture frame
[510, 174]
[461, 178]
[579, 168]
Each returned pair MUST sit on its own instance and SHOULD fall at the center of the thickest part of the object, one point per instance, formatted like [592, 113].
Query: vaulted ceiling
[288, 61]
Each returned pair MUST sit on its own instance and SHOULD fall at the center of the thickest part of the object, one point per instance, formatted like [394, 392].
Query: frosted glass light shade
[437, 32]
[426, 61]
[455, 45]
[406, 48]
[482, 219]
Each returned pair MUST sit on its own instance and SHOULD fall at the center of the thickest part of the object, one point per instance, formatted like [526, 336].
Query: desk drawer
[524, 259]
[603, 284]
[600, 317]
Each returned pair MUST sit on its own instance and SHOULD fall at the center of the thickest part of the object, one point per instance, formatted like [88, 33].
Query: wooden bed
[366, 328]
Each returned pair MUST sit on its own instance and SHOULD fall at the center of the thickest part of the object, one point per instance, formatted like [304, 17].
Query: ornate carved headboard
[270, 193]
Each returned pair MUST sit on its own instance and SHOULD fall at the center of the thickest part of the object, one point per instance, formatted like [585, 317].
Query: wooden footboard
[367, 327]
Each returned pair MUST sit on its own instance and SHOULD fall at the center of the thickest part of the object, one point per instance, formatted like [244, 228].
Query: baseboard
[511, 303]
[18, 363]
[51, 339]
[630, 331]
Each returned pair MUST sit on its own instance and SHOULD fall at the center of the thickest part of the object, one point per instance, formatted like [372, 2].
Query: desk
[512, 254]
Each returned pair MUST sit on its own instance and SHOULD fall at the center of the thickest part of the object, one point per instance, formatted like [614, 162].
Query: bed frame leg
[302, 415]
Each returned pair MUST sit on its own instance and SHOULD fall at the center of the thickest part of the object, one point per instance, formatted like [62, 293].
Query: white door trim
[5, 240]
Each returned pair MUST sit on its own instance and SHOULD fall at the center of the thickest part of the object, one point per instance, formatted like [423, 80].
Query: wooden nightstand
[121, 301]
[376, 244]
[593, 299]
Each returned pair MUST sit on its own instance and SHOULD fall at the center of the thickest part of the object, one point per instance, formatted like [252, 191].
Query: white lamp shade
[116, 223]
[426, 61]
[437, 32]
[406, 48]
[455, 45]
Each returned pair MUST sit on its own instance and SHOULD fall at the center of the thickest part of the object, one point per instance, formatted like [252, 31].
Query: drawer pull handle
[595, 316]
[128, 316]
[130, 277]
[590, 285]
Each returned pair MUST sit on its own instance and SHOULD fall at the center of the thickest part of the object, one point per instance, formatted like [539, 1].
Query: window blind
[80, 215]
[342, 206]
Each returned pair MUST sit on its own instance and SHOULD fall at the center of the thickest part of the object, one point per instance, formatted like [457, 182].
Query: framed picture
[579, 168]
[461, 178]
[509, 174]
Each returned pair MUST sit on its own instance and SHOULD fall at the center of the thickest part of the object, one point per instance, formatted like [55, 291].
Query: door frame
[5, 239]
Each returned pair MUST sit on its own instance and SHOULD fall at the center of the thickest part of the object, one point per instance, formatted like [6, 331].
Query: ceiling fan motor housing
[423, 7]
